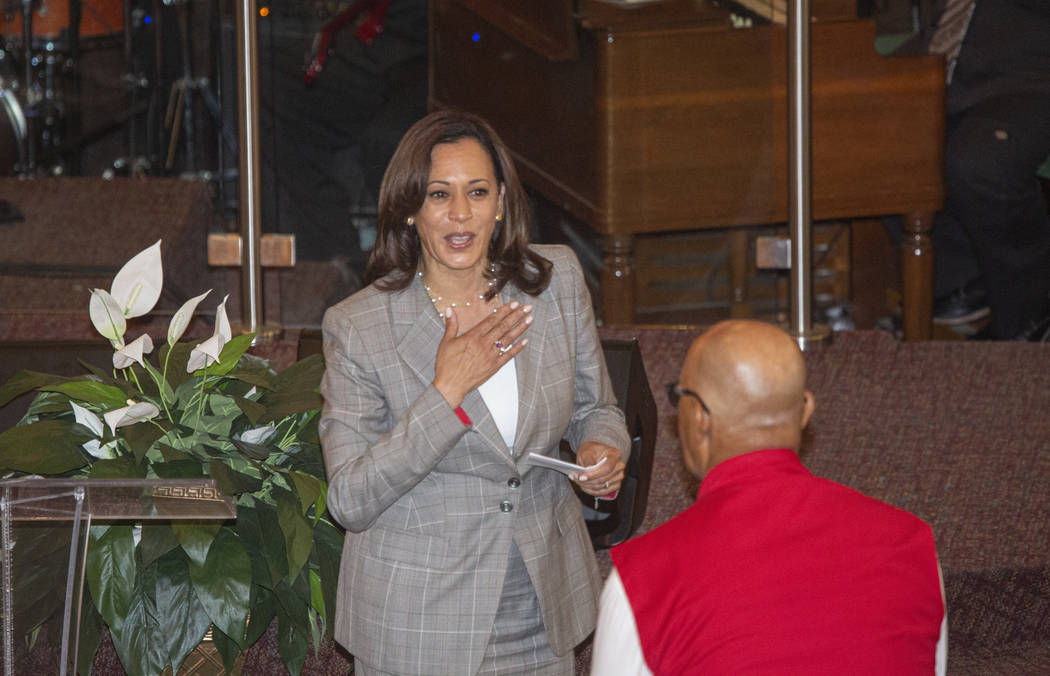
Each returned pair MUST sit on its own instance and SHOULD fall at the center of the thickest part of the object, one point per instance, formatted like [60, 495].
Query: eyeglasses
[675, 392]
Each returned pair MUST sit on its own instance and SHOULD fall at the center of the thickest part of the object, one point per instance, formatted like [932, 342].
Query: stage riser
[78, 232]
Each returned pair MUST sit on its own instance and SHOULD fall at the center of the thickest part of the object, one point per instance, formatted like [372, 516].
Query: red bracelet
[463, 417]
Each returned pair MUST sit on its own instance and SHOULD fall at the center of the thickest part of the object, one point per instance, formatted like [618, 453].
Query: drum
[98, 18]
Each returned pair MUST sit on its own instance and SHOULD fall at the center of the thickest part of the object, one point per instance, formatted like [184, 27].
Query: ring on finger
[606, 484]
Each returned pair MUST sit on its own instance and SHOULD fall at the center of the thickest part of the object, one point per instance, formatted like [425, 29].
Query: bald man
[772, 570]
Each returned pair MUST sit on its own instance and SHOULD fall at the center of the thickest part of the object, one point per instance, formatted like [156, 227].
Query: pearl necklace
[437, 299]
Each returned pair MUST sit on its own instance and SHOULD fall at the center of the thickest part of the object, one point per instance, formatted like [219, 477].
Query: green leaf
[328, 546]
[138, 640]
[254, 371]
[189, 468]
[44, 447]
[253, 451]
[90, 391]
[123, 467]
[97, 372]
[111, 572]
[26, 381]
[264, 608]
[231, 352]
[317, 602]
[252, 410]
[295, 389]
[41, 555]
[157, 540]
[255, 526]
[172, 454]
[232, 482]
[228, 649]
[223, 406]
[310, 490]
[90, 636]
[141, 437]
[298, 534]
[48, 405]
[223, 584]
[293, 629]
[196, 538]
[180, 356]
[178, 606]
[167, 394]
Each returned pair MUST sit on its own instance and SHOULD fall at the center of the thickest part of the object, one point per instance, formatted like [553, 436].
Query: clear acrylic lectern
[27, 503]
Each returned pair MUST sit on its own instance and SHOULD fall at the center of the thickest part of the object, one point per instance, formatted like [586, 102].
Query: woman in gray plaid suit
[469, 350]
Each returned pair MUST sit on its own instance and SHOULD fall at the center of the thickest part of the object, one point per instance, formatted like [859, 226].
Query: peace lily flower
[134, 412]
[133, 293]
[132, 352]
[136, 287]
[181, 319]
[107, 317]
[258, 435]
[207, 353]
[91, 421]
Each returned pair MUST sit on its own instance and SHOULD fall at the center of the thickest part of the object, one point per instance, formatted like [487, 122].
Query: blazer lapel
[529, 366]
[420, 329]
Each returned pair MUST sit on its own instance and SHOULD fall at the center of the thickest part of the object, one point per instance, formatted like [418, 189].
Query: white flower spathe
[87, 419]
[133, 413]
[181, 319]
[101, 451]
[137, 286]
[207, 353]
[92, 422]
[258, 435]
[132, 352]
[107, 317]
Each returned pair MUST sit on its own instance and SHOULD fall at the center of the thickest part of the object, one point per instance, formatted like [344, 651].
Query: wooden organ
[663, 117]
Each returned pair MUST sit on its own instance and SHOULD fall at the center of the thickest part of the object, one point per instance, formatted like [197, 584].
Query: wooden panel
[704, 276]
[667, 13]
[544, 26]
[275, 250]
[707, 141]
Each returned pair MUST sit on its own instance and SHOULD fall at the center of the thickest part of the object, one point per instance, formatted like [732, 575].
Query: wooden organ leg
[739, 273]
[618, 279]
[917, 275]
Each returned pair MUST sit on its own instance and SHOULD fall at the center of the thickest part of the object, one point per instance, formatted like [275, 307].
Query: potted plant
[204, 409]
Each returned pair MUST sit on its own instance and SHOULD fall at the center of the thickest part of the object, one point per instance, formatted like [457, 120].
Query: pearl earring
[410, 221]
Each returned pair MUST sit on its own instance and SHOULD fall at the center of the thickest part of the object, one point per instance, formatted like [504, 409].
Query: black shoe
[962, 306]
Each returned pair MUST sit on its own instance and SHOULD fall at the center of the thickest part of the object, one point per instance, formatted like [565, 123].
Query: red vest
[776, 571]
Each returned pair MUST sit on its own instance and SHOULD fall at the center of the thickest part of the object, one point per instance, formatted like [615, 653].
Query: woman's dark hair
[395, 258]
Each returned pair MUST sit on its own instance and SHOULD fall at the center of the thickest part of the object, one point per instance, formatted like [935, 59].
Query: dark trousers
[995, 223]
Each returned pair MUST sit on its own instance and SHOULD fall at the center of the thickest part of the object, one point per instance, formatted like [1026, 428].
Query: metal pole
[799, 176]
[6, 545]
[247, 90]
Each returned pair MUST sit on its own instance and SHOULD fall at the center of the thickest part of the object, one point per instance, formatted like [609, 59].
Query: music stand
[81, 501]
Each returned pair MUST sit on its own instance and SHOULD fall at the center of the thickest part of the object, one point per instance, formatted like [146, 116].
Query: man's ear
[808, 404]
[702, 419]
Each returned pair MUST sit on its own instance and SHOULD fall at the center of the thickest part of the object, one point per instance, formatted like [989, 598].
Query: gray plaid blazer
[432, 506]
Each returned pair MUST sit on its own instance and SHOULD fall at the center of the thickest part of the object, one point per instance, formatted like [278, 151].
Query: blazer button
[514, 482]
[506, 506]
